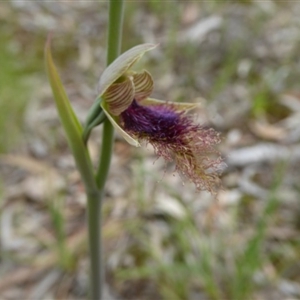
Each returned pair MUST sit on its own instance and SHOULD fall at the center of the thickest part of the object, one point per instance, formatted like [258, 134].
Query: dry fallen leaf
[267, 131]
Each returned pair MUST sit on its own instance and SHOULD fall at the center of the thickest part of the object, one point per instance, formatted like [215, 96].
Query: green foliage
[14, 94]
[261, 102]
[251, 260]
[198, 261]
[65, 256]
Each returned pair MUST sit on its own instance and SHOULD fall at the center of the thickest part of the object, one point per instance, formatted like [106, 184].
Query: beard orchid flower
[165, 125]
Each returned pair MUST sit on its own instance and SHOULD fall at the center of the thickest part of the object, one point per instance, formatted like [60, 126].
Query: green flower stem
[95, 246]
[113, 51]
[95, 197]
[114, 30]
[106, 153]
[88, 129]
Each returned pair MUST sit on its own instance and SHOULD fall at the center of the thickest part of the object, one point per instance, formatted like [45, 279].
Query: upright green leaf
[70, 123]
[65, 110]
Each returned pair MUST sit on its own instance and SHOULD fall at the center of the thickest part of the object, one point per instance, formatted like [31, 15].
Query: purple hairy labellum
[175, 137]
[165, 125]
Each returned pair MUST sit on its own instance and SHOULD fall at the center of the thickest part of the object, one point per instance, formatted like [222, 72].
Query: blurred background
[163, 240]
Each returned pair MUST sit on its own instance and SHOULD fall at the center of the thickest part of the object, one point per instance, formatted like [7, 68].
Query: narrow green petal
[119, 66]
[132, 141]
[119, 96]
[179, 106]
[143, 85]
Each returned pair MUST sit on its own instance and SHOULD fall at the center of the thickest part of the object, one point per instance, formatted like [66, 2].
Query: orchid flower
[165, 125]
